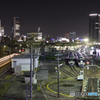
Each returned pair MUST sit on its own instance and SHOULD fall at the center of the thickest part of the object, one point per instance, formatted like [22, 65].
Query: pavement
[43, 73]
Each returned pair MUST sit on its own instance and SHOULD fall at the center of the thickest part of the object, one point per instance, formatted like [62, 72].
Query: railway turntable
[91, 81]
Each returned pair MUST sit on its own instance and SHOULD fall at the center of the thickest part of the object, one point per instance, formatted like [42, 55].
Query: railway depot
[47, 74]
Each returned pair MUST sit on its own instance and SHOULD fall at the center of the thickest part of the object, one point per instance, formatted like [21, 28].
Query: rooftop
[22, 56]
[25, 56]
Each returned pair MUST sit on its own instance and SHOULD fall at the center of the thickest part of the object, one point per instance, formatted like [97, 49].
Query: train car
[80, 60]
[80, 76]
[71, 59]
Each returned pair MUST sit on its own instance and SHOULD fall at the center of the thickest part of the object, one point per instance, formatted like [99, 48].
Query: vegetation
[51, 58]
[38, 89]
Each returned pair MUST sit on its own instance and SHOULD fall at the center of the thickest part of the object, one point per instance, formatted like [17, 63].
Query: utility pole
[32, 44]
[58, 74]
[58, 71]
[33, 63]
[12, 32]
[31, 73]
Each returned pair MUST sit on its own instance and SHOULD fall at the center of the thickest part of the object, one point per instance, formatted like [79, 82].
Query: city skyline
[54, 17]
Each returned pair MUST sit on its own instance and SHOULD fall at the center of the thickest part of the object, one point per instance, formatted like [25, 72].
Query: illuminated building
[48, 38]
[24, 38]
[2, 31]
[0, 27]
[40, 36]
[67, 35]
[73, 35]
[16, 28]
[94, 27]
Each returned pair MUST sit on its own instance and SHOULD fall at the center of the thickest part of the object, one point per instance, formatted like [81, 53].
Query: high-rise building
[94, 27]
[16, 28]
[67, 35]
[39, 34]
[2, 31]
[73, 35]
[48, 38]
[0, 27]
[24, 38]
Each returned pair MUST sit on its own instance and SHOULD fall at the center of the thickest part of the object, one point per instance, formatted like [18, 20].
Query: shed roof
[22, 56]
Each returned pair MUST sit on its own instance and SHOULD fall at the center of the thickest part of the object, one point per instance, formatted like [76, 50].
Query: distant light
[93, 14]
[16, 17]
[92, 48]
[19, 40]
[81, 39]
[52, 39]
[86, 40]
[5, 36]
[77, 38]
[24, 36]
[4, 46]
[63, 38]
[87, 62]
[96, 23]
[81, 61]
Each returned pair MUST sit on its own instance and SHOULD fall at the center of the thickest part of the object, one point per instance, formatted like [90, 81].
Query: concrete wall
[24, 63]
[25, 67]
[17, 70]
[19, 61]
[36, 63]
[27, 51]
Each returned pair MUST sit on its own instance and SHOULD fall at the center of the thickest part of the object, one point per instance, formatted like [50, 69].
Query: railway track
[51, 86]
[67, 72]
[5, 79]
[5, 84]
[92, 85]
[73, 70]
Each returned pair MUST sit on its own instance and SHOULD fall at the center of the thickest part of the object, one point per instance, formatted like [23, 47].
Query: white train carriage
[81, 60]
[80, 76]
[71, 59]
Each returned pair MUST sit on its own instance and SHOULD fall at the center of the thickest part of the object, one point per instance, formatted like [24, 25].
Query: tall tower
[94, 27]
[16, 28]
[39, 34]
[0, 27]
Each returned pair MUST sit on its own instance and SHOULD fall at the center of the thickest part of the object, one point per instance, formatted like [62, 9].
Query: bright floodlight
[77, 38]
[4, 46]
[86, 40]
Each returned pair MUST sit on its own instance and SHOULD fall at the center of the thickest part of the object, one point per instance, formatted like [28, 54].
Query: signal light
[23, 49]
[87, 62]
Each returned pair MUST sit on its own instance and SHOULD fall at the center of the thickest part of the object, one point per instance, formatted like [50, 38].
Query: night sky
[55, 17]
